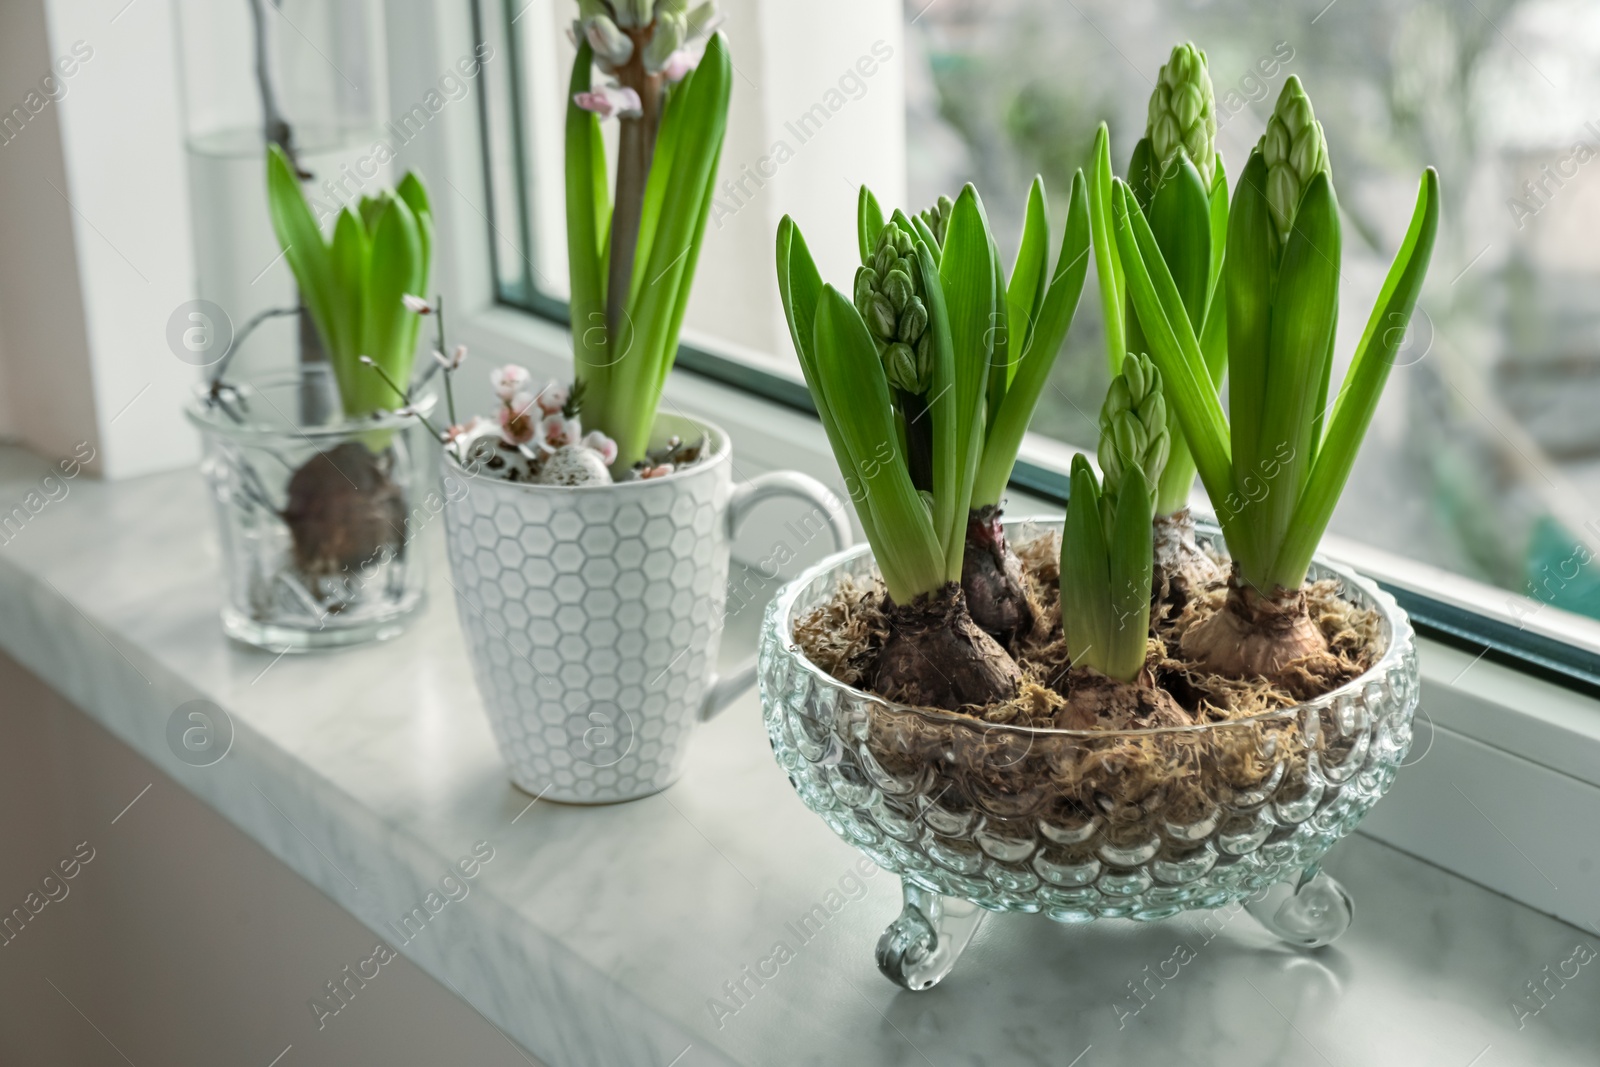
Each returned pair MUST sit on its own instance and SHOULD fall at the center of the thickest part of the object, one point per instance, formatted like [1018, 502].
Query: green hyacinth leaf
[1250, 272]
[950, 506]
[654, 313]
[1107, 262]
[908, 551]
[1130, 561]
[1085, 572]
[967, 272]
[588, 213]
[1363, 387]
[415, 194]
[1025, 290]
[1180, 218]
[869, 222]
[349, 259]
[1173, 345]
[1061, 290]
[1305, 312]
[669, 137]
[396, 259]
[1001, 366]
[1142, 173]
[301, 240]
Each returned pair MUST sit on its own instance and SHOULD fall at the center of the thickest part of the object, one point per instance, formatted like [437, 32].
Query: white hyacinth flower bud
[612, 47]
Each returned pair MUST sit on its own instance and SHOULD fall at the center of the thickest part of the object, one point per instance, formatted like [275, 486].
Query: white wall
[122, 145]
[94, 241]
[48, 400]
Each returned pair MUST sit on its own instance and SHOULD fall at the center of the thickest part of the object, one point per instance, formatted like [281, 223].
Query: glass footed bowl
[977, 817]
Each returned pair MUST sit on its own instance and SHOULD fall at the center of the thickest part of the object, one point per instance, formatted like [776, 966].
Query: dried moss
[1135, 785]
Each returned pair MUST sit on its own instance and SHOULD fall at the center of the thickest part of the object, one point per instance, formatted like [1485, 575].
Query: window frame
[1538, 654]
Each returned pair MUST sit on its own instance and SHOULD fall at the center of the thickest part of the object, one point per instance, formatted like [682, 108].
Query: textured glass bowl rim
[1395, 622]
[207, 418]
[722, 453]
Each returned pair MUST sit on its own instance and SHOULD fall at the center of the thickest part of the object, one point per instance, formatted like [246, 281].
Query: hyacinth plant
[1275, 464]
[973, 392]
[631, 258]
[1108, 546]
[342, 506]
[1028, 314]
[1177, 177]
[355, 284]
[536, 437]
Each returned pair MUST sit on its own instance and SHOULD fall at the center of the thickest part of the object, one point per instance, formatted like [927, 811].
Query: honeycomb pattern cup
[1085, 824]
[593, 614]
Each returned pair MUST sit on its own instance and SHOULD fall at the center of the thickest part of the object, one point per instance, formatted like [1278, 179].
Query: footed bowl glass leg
[1308, 914]
[920, 947]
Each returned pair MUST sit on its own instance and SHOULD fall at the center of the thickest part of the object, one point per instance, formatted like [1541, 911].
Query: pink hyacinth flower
[509, 380]
[611, 100]
[517, 425]
[558, 430]
[679, 64]
[602, 444]
[660, 471]
[552, 398]
[416, 304]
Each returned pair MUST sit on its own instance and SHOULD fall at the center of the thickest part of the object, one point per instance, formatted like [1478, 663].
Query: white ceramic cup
[593, 614]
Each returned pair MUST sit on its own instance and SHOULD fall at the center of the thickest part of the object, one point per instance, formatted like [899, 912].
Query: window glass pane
[1484, 458]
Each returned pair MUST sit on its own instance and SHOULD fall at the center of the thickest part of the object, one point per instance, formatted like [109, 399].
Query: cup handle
[725, 688]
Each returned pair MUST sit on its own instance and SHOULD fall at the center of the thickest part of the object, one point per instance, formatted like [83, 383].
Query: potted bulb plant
[1274, 471]
[589, 548]
[313, 491]
[1125, 759]
[1108, 555]
[927, 435]
[1023, 318]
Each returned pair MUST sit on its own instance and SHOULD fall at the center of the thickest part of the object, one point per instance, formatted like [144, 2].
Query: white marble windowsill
[609, 936]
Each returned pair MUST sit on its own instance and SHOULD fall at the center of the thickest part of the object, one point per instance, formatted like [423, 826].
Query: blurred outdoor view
[1485, 456]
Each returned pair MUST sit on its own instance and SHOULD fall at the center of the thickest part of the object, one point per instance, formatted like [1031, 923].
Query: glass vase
[316, 521]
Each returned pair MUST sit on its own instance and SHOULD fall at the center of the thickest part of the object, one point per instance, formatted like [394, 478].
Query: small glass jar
[317, 520]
